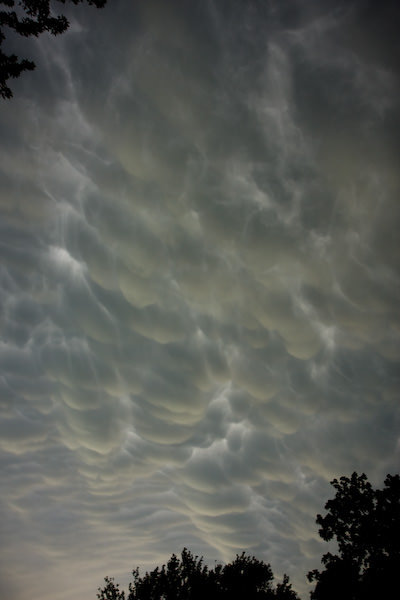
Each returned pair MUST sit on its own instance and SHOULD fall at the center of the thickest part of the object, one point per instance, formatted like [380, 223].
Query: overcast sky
[199, 285]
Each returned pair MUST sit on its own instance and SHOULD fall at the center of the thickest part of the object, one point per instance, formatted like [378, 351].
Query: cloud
[199, 286]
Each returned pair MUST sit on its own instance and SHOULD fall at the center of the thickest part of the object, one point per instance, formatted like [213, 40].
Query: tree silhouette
[366, 526]
[188, 578]
[27, 18]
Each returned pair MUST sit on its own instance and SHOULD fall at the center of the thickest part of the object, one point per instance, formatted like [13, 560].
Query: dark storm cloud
[199, 284]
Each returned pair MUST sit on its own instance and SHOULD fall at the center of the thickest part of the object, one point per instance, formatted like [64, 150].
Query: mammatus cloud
[199, 286]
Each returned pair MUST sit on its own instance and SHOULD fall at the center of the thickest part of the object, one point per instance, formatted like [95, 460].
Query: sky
[199, 285]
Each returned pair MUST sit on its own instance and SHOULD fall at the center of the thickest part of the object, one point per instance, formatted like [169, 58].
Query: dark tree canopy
[27, 18]
[366, 526]
[188, 578]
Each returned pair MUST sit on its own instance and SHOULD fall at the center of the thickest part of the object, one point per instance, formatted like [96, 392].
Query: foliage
[188, 578]
[364, 522]
[27, 18]
[366, 526]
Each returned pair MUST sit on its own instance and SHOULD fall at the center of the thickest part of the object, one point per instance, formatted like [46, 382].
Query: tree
[31, 17]
[366, 526]
[188, 578]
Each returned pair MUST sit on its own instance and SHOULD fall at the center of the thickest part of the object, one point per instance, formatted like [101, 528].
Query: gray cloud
[199, 285]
